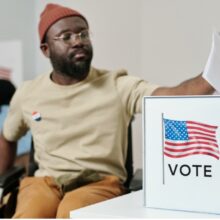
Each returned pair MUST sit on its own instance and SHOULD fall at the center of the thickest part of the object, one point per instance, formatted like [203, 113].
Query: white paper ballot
[212, 69]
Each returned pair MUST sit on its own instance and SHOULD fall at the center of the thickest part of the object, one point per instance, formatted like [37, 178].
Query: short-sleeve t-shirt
[80, 126]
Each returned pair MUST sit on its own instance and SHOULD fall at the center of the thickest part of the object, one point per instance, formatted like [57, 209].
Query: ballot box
[181, 137]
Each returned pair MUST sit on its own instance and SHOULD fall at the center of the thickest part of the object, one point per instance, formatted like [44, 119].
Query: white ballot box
[181, 153]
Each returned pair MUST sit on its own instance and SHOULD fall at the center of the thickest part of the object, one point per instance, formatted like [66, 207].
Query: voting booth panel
[181, 153]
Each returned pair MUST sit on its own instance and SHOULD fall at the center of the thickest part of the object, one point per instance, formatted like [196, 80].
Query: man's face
[72, 58]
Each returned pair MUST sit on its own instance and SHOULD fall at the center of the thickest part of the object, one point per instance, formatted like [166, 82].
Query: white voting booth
[181, 153]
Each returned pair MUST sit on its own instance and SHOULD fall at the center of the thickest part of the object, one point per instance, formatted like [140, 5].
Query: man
[78, 116]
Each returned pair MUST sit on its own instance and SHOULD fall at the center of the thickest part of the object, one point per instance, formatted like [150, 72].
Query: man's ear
[45, 49]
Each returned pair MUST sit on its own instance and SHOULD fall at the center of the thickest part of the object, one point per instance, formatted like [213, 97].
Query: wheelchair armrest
[11, 175]
[136, 182]
[10, 180]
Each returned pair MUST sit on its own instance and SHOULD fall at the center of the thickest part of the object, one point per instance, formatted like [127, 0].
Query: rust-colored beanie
[51, 14]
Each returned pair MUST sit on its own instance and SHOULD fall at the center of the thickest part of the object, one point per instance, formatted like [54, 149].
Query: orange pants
[40, 197]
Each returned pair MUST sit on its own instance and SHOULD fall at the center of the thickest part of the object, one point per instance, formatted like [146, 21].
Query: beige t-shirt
[82, 127]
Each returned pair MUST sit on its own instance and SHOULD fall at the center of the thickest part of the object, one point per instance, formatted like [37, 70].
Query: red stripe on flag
[205, 125]
[196, 132]
[202, 138]
[201, 129]
[193, 153]
[190, 148]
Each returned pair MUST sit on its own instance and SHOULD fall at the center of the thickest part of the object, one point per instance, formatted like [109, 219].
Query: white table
[131, 206]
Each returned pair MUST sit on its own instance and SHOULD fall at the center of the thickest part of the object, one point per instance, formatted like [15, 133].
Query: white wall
[17, 23]
[164, 41]
[176, 37]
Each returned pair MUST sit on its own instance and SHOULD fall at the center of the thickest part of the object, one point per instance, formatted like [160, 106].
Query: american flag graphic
[5, 73]
[186, 138]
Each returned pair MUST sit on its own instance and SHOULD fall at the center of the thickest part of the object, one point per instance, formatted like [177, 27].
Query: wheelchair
[9, 182]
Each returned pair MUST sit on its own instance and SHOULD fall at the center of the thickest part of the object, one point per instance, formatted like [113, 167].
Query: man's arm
[194, 86]
[7, 154]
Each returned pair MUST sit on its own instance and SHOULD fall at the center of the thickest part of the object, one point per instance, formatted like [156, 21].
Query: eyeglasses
[70, 37]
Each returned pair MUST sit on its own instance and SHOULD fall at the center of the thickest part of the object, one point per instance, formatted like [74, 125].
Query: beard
[69, 67]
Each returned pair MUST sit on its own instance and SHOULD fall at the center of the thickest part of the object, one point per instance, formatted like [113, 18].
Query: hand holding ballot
[203, 84]
[212, 68]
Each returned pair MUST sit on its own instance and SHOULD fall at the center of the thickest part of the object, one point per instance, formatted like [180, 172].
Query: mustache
[85, 50]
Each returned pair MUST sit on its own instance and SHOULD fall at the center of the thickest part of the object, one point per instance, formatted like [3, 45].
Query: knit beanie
[51, 14]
